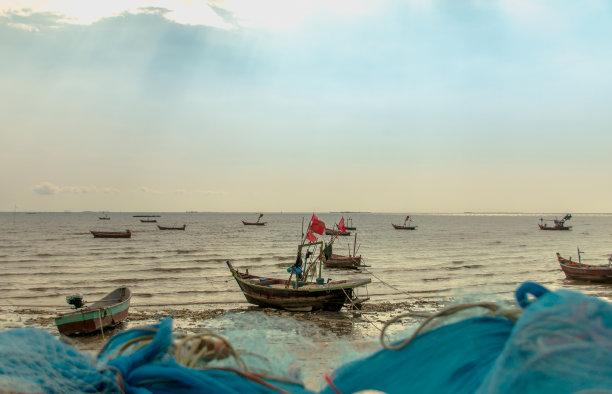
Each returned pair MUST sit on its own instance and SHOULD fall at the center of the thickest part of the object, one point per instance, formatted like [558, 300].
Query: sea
[448, 259]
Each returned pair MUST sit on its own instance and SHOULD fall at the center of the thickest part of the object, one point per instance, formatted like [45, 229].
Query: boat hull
[172, 228]
[338, 261]
[111, 310]
[586, 272]
[111, 234]
[336, 232]
[400, 227]
[273, 293]
[556, 228]
[253, 223]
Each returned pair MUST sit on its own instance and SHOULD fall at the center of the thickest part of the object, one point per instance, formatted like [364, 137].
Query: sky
[306, 106]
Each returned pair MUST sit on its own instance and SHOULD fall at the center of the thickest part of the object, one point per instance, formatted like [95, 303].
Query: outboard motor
[76, 300]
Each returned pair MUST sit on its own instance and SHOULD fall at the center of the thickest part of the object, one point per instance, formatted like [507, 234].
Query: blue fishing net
[562, 343]
[33, 360]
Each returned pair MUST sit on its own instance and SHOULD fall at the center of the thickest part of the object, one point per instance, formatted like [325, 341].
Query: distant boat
[105, 217]
[404, 226]
[84, 319]
[111, 234]
[329, 231]
[257, 223]
[146, 216]
[333, 260]
[350, 226]
[171, 228]
[588, 272]
[557, 224]
[148, 221]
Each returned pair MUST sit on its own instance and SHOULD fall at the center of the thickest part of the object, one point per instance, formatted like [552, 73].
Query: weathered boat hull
[400, 227]
[587, 272]
[337, 261]
[253, 223]
[336, 232]
[172, 228]
[273, 293]
[111, 234]
[561, 228]
[111, 310]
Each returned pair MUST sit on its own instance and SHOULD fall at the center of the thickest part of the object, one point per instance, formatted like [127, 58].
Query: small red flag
[407, 218]
[316, 225]
[311, 237]
[341, 225]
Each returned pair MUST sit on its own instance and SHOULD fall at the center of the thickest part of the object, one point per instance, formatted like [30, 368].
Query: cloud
[34, 14]
[45, 189]
[211, 192]
[145, 189]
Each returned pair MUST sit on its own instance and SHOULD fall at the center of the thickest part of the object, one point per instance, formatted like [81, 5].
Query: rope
[385, 283]
[494, 309]
[355, 307]
[100, 319]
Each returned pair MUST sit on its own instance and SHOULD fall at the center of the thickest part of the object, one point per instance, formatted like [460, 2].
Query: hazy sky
[276, 105]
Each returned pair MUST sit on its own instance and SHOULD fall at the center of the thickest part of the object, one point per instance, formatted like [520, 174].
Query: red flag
[311, 237]
[341, 225]
[316, 225]
[407, 217]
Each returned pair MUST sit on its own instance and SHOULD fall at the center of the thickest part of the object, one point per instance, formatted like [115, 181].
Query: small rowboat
[148, 221]
[253, 223]
[111, 234]
[578, 270]
[257, 223]
[404, 226]
[172, 228]
[109, 311]
[400, 227]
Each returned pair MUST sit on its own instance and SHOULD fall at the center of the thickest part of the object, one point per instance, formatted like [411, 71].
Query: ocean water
[46, 256]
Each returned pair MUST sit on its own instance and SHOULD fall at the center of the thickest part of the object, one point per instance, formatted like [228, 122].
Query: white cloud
[47, 188]
[88, 12]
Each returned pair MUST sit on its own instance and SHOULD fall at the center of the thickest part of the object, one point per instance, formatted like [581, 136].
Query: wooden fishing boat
[172, 228]
[404, 226]
[588, 272]
[329, 231]
[349, 225]
[308, 296]
[84, 319]
[257, 223]
[340, 261]
[333, 260]
[111, 234]
[304, 293]
[105, 217]
[253, 223]
[556, 225]
[148, 221]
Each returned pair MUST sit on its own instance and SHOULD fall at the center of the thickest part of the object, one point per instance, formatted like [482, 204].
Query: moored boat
[329, 231]
[556, 225]
[257, 223]
[172, 228]
[304, 292]
[111, 234]
[307, 296]
[588, 272]
[84, 319]
[404, 226]
[148, 220]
